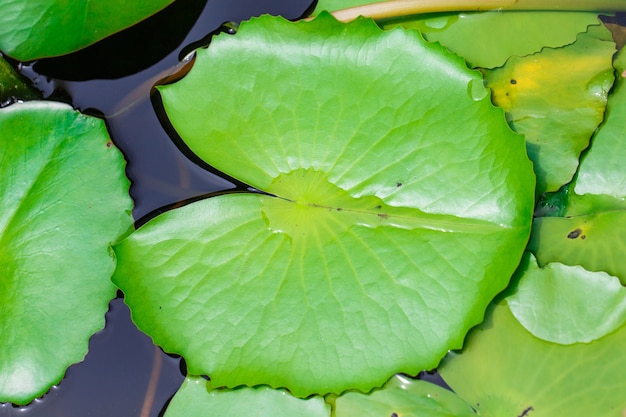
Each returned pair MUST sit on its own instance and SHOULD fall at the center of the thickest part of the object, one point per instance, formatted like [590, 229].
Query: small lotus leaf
[504, 370]
[196, 398]
[32, 29]
[13, 86]
[385, 230]
[596, 241]
[567, 304]
[403, 397]
[471, 35]
[602, 171]
[556, 98]
[591, 231]
[63, 201]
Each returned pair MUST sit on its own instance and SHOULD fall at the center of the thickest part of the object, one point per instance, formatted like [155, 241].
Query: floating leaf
[63, 201]
[471, 35]
[406, 397]
[596, 241]
[13, 86]
[556, 98]
[505, 371]
[567, 304]
[388, 228]
[591, 231]
[196, 398]
[401, 396]
[32, 29]
[602, 171]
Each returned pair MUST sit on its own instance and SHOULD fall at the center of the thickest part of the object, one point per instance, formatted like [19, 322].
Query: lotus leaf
[63, 202]
[590, 231]
[403, 397]
[557, 98]
[567, 304]
[471, 35]
[32, 29]
[13, 86]
[602, 170]
[196, 398]
[382, 230]
[505, 371]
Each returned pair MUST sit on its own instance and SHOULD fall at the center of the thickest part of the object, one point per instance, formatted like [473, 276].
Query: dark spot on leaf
[383, 215]
[109, 144]
[393, 415]
[398, 184]
[526, 411]
[379, 207]
[513, 81]
[583, 237]
[574, 234]
[339, 209]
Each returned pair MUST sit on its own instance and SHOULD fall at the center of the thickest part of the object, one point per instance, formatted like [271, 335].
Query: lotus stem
[399, 8]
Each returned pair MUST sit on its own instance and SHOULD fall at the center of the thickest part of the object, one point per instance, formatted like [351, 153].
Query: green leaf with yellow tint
[596, 241]
[590, 232]
[556, 98]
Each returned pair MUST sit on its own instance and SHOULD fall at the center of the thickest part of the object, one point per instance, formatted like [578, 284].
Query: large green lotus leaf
[506, 371]
[32, 29]
[602, 171]
[556, 98]
[63, 201]
[196, 398]
[387, 230]
[596, 241]
[405, 397]
[567, 304]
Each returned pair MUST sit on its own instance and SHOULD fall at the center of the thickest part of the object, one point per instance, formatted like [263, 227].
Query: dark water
[115, 77]
[124, 374]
